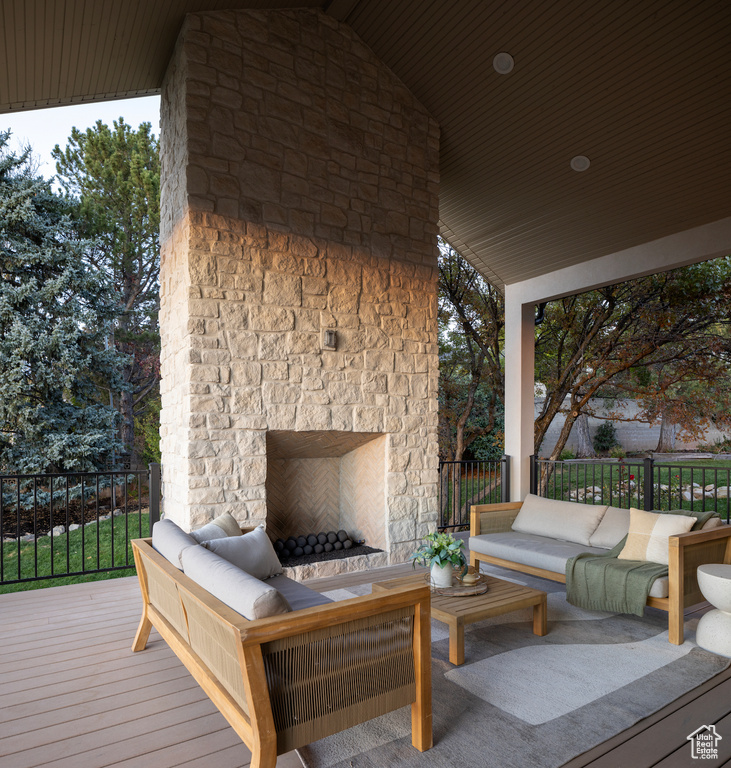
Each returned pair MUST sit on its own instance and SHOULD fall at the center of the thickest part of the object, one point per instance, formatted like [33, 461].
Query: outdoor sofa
[284, 664]
[538, 536]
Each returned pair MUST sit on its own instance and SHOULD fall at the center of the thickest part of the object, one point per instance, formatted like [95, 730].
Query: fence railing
[643, 483]
[56, 525]
[464, 483]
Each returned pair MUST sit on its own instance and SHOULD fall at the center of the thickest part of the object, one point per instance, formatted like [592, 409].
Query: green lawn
[622, 483]
[97, 549]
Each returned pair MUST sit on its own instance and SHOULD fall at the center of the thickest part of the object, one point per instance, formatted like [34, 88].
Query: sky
[44, 128]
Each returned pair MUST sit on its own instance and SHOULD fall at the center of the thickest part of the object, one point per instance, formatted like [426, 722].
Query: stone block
[403, 508]
[367, 419]
[402, 530]
[263, 318]
[281, 416]
[374, 382]
[251, 442]
[273, 346]
[311, 417]
[396, 483]
[248, 400]
[342, 418]
[344, 393]
[379, 360]
[248, 374]
[203, 308]
[343, 299]
[276, 393]
[282, 290]
[207, 373]
[253, 470]
[242, 345]
[233, 316]
[303, 343]
[218, 421]
[275, 371]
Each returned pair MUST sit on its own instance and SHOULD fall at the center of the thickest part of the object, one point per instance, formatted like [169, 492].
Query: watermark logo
[704, 743]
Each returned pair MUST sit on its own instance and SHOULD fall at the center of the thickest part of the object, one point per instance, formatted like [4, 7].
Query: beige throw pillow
[649, 533]
[224, 525]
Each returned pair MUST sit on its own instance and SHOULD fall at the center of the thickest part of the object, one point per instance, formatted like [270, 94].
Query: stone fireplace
[322, 481]
[298, 282]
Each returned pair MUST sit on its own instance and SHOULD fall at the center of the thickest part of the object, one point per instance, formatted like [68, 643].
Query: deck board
[72, 695]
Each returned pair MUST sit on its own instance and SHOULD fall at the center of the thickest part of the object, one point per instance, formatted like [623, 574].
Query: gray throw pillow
[170, 540]
[253, 552]
[249, 596]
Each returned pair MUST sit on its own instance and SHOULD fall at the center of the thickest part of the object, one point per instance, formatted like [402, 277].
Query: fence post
[534, 474]
[505, 479]
[649, 484]
[154, 470]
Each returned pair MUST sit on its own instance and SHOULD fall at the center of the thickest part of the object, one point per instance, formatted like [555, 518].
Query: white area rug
[521, 700]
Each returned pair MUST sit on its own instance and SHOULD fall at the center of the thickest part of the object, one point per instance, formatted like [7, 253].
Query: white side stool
[714, 627]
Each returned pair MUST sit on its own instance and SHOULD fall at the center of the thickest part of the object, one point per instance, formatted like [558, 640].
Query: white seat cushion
[529, 549]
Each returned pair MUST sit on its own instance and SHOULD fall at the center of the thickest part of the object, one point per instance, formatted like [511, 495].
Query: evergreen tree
[56, 313]
[112, 175]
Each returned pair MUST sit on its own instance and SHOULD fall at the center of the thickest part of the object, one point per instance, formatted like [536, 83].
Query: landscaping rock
[57, 530]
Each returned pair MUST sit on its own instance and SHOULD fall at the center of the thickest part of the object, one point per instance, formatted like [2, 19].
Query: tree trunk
[126, 407]
[668, 430]
[585, 448]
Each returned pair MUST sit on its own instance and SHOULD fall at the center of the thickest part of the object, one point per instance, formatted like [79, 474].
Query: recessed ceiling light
[580, 163]
[503, 63]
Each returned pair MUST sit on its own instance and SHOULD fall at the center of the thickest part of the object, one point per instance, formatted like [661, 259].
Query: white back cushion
[612, 529]
[170, 540]
[250, 597]
[253, 552]
[564, 520]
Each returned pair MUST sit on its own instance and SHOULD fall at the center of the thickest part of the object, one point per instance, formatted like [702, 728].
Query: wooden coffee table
[457, 612]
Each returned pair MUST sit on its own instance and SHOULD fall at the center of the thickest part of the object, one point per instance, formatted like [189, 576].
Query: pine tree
[112, 176]
[56, 313]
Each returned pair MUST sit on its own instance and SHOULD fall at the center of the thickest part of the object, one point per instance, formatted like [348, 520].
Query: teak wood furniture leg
[456, 641]
[540, 617]
[421, 709]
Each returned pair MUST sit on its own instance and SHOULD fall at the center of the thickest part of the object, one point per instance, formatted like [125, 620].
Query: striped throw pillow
[649, 533]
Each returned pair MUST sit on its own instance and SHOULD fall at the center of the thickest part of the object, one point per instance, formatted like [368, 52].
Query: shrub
[617, 452]
[566, 454]
[605, 437]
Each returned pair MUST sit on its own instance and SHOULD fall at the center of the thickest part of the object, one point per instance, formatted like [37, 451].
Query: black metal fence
[642, 483]
[57, 525]
[464, 483]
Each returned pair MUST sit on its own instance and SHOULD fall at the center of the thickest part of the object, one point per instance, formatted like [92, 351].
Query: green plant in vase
[442, 553]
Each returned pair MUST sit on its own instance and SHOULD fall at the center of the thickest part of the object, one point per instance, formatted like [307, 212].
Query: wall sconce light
[329, 340]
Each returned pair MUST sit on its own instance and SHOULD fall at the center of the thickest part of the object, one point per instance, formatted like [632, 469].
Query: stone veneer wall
[300, 184]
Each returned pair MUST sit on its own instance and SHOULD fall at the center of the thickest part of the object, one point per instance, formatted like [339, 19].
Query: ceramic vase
[441, 575]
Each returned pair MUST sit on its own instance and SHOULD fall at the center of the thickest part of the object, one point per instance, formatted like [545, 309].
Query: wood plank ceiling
[640, 87]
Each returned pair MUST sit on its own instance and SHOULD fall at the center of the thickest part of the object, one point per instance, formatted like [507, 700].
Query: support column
[519, 389]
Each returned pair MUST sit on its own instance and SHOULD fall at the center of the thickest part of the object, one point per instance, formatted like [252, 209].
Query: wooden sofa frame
[285, 681]
[686, 552]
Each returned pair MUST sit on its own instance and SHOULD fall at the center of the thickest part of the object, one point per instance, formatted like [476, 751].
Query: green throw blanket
[604, 583]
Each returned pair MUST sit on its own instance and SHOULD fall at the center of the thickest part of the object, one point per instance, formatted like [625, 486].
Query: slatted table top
[501, 597]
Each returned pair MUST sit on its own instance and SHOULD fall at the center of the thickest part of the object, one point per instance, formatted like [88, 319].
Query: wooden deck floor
[72, 695]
